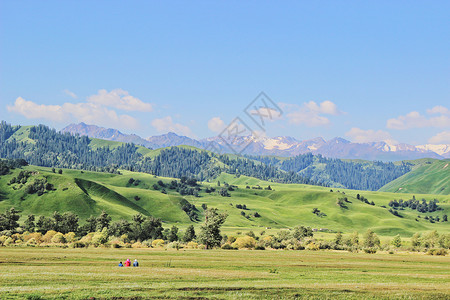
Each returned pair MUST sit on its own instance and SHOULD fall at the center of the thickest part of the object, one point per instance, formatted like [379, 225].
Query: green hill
[284, 206]
[428, 177]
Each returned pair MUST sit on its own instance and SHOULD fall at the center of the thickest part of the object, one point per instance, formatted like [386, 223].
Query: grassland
[54, 273]
[88, 193]
[430, 177]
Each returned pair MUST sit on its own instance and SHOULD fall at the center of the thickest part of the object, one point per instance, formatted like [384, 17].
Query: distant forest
[49, 148]
[354, 175]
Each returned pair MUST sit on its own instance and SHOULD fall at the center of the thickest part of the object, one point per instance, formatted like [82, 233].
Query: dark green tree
[210, 231]
[29, 223]
[189, 235]
[173, 234]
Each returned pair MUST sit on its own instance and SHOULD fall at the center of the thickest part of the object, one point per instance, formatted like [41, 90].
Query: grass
[287, 205]
[430, 177]
[54, 273]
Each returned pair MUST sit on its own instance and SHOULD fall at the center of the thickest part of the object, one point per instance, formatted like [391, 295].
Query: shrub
[312, 246]
[78, 244]
[37, 236]
[47, 238]
[174, 245]
[370, 250]
[70, 237]
[32, 241]
[100, 238]
[192, 245]
[58, 238]
[228, 247]
[259, 247]
[158, 243]
[137, 245]
[245, 242]
[441, 252]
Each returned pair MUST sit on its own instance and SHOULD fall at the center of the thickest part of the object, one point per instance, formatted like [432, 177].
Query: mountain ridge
[277, 146]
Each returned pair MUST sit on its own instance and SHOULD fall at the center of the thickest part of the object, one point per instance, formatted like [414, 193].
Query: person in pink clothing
[128, 263]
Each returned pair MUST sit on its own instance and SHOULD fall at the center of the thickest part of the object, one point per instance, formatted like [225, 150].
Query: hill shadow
[3, 196]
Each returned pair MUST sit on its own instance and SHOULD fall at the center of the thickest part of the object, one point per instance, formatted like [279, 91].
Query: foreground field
[198, 274]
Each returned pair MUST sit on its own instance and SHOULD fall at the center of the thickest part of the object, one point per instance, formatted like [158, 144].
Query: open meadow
[57, 273]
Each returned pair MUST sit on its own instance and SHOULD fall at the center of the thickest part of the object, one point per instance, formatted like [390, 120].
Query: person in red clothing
[128, 263]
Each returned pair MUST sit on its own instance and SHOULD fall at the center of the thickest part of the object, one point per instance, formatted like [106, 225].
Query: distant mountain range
[277, 146]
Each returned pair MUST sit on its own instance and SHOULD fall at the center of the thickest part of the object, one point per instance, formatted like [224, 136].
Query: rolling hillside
[429, 177]
[285, 206]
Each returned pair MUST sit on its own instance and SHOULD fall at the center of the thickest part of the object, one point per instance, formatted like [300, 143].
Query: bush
[70, 237]
[47, 238]
[312, 246]
[245, 242]
[441, 252]
[78, 244]
[137, 245]
[58, 238]
[259, 247]
[370, 250]
[192, 245]
[158, 243]
[228, 247]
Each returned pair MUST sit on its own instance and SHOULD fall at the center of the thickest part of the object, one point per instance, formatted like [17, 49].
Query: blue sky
[362, 70]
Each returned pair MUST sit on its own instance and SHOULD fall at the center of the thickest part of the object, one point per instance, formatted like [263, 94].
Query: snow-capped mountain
[279, 146]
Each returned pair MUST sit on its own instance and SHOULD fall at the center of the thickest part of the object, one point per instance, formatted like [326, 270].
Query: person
[120, 264]
[135, 264]
[128, 263]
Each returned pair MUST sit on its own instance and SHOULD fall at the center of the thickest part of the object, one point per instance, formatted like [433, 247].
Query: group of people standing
[128, 263]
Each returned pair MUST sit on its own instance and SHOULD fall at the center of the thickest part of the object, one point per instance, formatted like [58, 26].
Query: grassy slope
[88, 193]
[432, 177]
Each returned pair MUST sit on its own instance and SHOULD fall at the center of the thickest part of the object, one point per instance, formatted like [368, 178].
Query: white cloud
[440, 138]
[416, 120]
[120, 99]
[310, 113]
[71, 94]
[69, 112]
[439, 110]
[166, 124]
[358, 135]
[266, 113]
[216, 124]
[31, 110]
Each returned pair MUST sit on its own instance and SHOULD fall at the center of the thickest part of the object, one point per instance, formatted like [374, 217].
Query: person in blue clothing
[135, 264]
[120, 264]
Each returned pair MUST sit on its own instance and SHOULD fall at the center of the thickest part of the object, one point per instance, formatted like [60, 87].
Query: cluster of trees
[189, 209]
[364, 199]
[6, 165]
[141, 228]
[318, 213]
[414, 204]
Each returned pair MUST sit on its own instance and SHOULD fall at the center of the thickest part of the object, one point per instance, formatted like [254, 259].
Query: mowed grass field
[56, 273]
